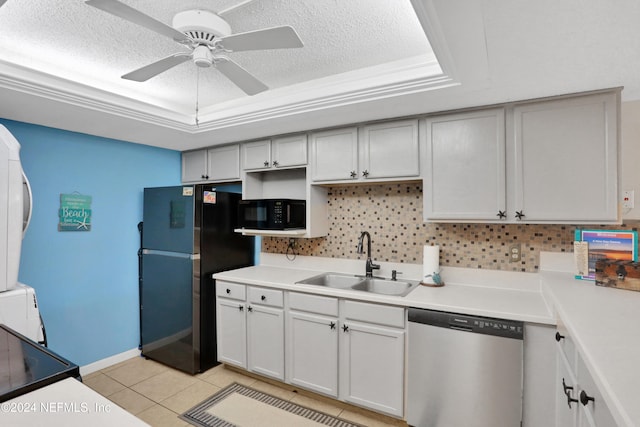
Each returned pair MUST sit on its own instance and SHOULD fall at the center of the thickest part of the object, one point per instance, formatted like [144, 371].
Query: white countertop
[500, 301]
[67, 403]
[604, 322]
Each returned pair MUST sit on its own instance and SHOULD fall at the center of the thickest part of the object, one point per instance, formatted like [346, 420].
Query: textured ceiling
[363, 60]
[73, 40]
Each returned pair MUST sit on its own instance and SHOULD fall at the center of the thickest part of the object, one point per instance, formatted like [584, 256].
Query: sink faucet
[370, 265]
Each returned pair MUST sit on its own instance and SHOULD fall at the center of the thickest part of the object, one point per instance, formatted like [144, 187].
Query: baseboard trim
[108, 361]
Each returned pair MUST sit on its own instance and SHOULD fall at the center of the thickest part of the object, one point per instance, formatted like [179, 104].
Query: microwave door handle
[288, 213]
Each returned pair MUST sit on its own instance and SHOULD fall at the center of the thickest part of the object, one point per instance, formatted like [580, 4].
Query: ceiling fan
[209, 39]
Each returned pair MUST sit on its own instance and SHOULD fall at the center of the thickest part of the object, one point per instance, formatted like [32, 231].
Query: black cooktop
[26, 366]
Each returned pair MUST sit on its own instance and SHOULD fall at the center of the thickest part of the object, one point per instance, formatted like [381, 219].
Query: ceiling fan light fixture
[202, 56]
[202, 26]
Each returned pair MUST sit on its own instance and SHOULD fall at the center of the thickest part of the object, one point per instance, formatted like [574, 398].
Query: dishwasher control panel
[476, 324]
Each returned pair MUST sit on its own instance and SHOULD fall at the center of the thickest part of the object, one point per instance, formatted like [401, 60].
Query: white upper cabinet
[289, 151]
[390, 150]
[465, 160]
[256, 155]
[217, 164]
[282, 152]
[566, 159]
[550, 161]
[194, 166]
[334, 154]
[378, 152]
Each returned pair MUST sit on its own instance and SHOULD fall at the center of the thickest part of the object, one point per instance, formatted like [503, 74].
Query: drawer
[264, 296]
[313, 303]
[375, 313]
[566, 345]
[231, 290]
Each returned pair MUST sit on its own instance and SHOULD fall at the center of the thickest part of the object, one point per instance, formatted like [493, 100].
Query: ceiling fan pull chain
[197, 94]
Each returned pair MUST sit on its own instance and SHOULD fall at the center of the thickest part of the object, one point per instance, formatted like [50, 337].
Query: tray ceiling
[61, 62]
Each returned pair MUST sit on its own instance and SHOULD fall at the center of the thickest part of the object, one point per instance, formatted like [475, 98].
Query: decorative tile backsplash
[392, 213]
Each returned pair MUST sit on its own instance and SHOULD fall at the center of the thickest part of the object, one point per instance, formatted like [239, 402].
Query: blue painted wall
[87, 282]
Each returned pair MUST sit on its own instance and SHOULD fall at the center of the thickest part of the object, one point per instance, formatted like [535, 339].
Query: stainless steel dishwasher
[464, 371]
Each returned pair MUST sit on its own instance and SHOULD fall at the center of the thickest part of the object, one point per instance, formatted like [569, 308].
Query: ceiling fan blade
[284, 37]
[151, 70]
[130, 14]
[241, 77]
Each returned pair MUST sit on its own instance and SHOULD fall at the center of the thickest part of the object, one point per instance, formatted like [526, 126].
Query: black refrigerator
[187, 235]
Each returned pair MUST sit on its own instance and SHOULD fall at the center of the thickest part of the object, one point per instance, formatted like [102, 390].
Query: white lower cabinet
[349, 350]
[231, 331]
[250, 328]
[579, 402]
[265, 341]
[372, 366]
[312, 352]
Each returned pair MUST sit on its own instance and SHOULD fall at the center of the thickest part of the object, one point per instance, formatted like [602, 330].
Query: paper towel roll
[430, 263]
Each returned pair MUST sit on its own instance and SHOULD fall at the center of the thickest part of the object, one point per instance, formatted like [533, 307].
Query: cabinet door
[194, 166]
[594, 412]
[256, 155]
[290, 151]
[566, 410]
[566, 159]
[312, 352]
[265, 341]
[372, 367]
[334, 155]
[231, 332]
[390, 150]
[224, 163]
[465, 166]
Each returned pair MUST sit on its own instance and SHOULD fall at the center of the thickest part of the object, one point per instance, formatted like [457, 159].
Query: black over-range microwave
[272, 214]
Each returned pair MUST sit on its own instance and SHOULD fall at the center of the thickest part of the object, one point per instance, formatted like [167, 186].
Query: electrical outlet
[514, 252]
[627, 199]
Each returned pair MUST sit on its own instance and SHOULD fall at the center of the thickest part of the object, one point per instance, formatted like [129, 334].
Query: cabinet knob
[263, 297]
[266, 163]
[332, 325]
[501, 214]
[585, 398]
[559, 337]
[250, 309]
[228, 291]
[519, 215]
[345, 328]
[275, 163]
[241, 308]
[365, 173]
[353, 174]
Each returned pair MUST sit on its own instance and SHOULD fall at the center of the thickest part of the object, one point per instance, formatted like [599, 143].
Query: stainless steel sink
[333, 280]
[385, 286]
[375, 285]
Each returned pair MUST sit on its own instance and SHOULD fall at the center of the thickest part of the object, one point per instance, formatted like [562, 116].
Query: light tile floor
[157, 394]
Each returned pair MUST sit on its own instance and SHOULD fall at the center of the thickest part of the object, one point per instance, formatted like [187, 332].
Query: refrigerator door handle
[170, 254]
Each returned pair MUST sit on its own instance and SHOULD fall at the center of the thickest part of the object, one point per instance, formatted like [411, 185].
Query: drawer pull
[332, 325]
[241, 308]
[585, 398]
[263, 297]
[228, 291]
[559, 337]
[567, 392]
[345, 328]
